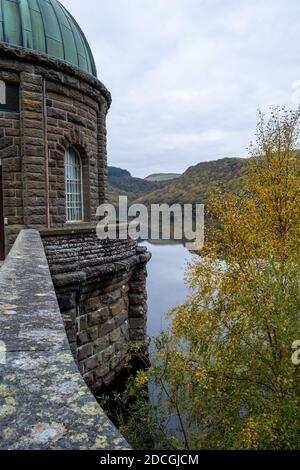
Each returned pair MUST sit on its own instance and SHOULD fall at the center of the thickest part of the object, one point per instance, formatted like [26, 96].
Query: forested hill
[194, 186]
[197, 183]
[122, 179]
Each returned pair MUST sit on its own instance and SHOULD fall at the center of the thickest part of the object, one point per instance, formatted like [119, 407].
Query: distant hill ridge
[121, 182]
[156, 177]
[194, 186]
[197, 183]
[122, 179]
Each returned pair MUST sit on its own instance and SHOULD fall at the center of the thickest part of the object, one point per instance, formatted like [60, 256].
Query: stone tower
[52, 119]
[53, 177]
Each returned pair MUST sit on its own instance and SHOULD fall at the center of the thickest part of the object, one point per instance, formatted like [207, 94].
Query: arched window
[73, 186]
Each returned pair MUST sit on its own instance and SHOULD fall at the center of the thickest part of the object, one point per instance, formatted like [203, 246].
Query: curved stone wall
[59, 107]
[101, 291]
[44, 402]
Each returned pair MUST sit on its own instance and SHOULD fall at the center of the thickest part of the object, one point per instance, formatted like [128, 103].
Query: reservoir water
[165, 284]
[166, 289]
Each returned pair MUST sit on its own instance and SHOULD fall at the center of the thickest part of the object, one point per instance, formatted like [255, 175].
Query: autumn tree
[225, 367]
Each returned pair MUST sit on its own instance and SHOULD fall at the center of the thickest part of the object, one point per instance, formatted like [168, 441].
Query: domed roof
[45, 26]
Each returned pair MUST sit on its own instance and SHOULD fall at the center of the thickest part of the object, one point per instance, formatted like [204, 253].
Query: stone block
[125, 329]
[82, 322]
[83, 338]
[138, 334]
[101, 344]
[116, 360]
[137, 299]
[115, 335]
[102, 371]
[89, 378]
[136, 311]
[108, 353]
[93, 319]
[103, 314]
[84, 351]
[107, 327]
[92, 333]
[91, 363]
[115, 295]
[121, 318]
[117, 307]
[137, 323]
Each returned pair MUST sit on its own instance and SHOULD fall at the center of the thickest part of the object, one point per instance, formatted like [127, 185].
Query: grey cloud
[188, 76]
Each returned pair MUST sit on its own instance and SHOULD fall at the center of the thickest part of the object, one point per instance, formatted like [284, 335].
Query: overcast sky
[187, 76]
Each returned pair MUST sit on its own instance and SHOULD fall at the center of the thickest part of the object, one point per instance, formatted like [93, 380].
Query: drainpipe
[46, 150]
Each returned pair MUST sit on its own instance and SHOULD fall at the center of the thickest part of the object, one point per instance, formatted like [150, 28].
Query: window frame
[12, 97]
[69, 151]
[2, 93]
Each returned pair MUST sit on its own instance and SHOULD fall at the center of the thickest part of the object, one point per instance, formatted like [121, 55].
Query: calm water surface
[165, 283]
[166, 289]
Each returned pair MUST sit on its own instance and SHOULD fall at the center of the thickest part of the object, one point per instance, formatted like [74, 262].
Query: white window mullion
[2, 92]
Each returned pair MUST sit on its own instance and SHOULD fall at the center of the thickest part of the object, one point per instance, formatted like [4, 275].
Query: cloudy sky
[187, 76]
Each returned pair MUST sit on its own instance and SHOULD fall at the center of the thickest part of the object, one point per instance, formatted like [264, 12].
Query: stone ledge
[76, 255]
[44, 402]
[68, 229]
[77, 228]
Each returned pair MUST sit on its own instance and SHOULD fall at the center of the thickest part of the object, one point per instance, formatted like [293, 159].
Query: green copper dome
[45, 26]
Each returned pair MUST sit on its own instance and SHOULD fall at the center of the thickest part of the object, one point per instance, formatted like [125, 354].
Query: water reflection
[165, 283]
[166, 289]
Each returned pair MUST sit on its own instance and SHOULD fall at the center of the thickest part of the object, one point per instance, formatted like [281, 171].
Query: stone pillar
[137, 312]
[102, 152]
[11, 164]
[32, 148]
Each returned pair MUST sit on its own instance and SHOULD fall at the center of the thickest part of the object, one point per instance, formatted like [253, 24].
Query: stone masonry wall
[60, 107]
[101, 290]
[12, 177]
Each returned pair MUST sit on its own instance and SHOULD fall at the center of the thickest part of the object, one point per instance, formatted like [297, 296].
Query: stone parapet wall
[44, 402]
[101, 290]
